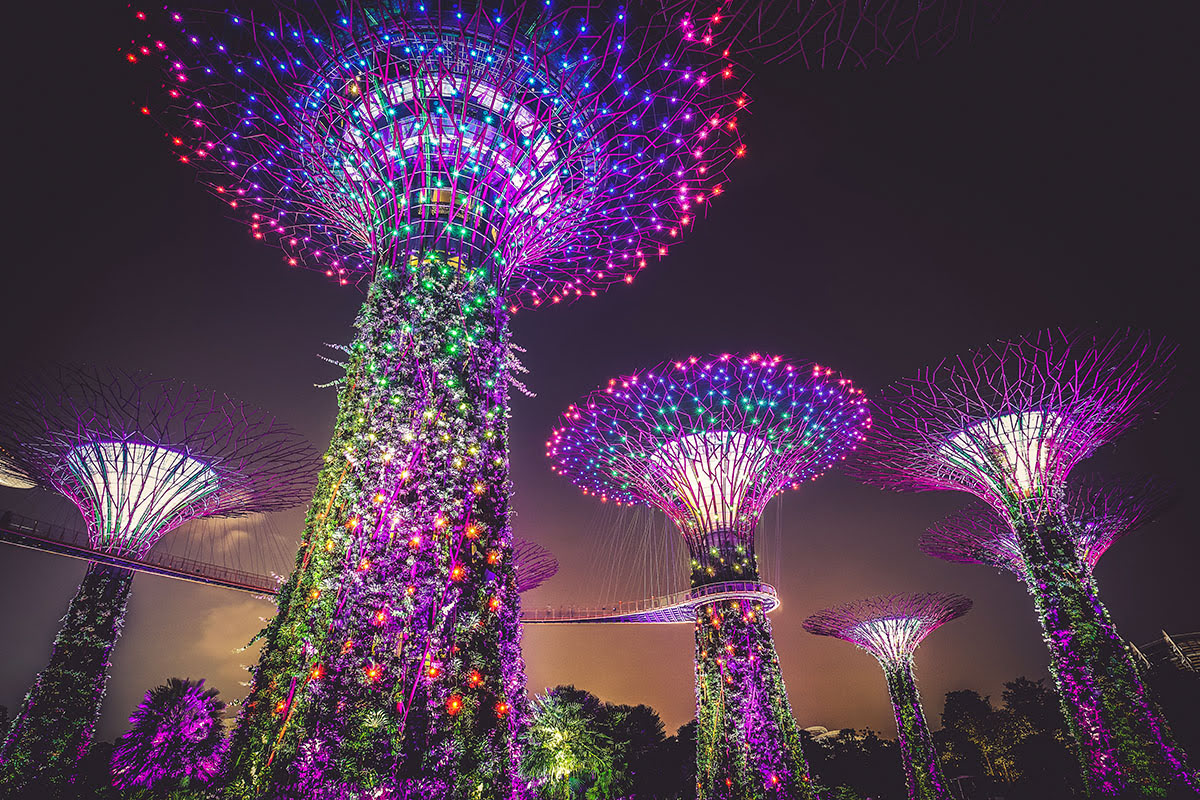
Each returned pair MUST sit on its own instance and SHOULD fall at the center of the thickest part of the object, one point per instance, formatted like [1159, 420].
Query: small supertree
[461, 162]
[710, 441]
[534, 564]
[176, 739]
[1098, 512]
[1008, 423]
[890, 628]
[834, 34]
[138, 456]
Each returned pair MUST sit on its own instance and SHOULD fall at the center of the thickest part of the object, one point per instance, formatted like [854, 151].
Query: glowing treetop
[535, 564]
[140, 456]
[710, 440]
[834, 34]
[1009, 422]
[889, 627]
[1099, 512]
[556, 147]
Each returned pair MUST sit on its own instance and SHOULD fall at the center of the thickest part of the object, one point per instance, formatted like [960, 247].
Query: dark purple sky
[1045, 175]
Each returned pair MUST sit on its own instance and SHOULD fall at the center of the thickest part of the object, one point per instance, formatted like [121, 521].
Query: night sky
[1043, 175]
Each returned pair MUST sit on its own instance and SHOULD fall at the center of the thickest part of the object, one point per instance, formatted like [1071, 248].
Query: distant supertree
[176, 739]
[710, 441]
[138, 456]
[890, 628]
[1008, 423]
[834, 34]
[462, 161]
[1098, 512]
[534, 564]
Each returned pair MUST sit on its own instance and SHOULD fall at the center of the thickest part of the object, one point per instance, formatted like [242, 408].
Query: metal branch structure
[890, 628]
[534, 564]
[835, 34]
[1099, 512]
[710, 441]
[1008, 423]
[462, 162]
[138, 456]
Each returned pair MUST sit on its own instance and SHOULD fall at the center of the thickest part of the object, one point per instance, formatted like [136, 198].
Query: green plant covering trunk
[54, 728]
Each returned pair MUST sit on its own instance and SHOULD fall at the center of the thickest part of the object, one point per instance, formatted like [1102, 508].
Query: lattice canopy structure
[138, 456]
[835, 34]
[465, 161]
[710, 440]
[890, 628]
[1007, 423]
[1099, 512]
[534, 564]
[558, 149]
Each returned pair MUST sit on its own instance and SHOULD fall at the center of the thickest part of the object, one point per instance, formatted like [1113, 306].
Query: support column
[921, 769]
[394, 661]
[1123, 743]
[56, 723]
[747, 741]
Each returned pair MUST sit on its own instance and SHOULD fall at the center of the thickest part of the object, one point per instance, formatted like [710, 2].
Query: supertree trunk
[747, 741]
[1123, 743]
[394, 661]
[921, 770]
[58, 718]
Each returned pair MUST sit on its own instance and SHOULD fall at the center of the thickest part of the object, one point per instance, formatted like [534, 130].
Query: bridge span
[673, 609]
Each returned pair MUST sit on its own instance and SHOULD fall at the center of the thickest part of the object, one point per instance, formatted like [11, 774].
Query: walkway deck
[674, 609]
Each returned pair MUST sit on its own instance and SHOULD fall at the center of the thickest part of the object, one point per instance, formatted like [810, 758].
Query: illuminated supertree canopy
[534, 564]
[1008, 423]
[835, 34]
[890, 628]
[465, 162]
[1099, 511]
[138, 456]
[710, 441]
[559, 149]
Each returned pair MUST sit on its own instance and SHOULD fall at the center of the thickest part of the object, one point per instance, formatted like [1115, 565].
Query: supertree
[835, 34]
[890, 628]
[464, 162]
[710, 441]
[1098, 512]
[176, 739]
[534, 564]
[1008, 423]
[138, 456]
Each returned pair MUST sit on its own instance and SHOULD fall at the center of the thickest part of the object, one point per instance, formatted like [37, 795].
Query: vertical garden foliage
[1121, 737]
[921, 769]
[748, 742]
[54, 727]
[394, 661]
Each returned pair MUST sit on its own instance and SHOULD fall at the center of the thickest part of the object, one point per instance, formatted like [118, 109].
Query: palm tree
[567, 749]
[176, 739]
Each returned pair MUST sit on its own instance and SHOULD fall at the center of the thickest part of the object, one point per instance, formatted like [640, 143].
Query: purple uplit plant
[460, 162]
[138, 456]
[1007, 423]
[176, 739]
[710, 441]
[890, 628]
